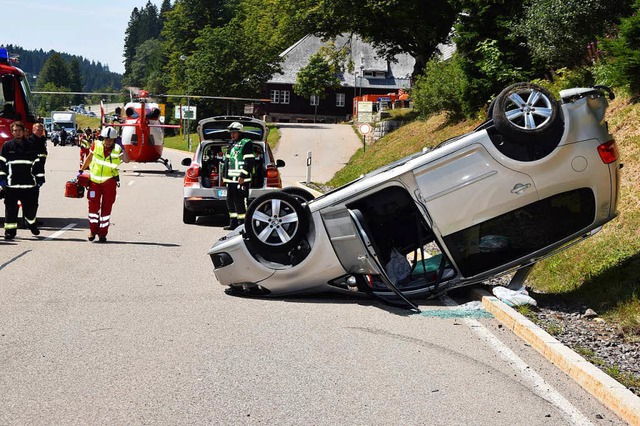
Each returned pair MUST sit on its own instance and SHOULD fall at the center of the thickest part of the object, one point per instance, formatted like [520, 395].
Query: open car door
[362, 228]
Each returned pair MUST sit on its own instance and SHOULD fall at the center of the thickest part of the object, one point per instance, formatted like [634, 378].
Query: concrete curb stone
[610, 392]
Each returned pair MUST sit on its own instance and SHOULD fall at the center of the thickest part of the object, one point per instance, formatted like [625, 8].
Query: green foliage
[146, 67]
[622, 65]
[558, 31]
[393, 26]
[48, 103]
[54, 71]
[316, 77]
[492, 63]
[566, 78]
[441, 88]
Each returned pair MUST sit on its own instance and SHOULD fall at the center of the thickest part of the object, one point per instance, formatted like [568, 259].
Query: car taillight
[272, 173]
[608, 151]
[192, 174]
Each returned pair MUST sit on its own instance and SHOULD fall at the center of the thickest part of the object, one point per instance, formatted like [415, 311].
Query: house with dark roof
[372, 75]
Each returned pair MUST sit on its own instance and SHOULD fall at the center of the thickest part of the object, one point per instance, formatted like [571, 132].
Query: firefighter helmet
[235, 127]
[109, 133]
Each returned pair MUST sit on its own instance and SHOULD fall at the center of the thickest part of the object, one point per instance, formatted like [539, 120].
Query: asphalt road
[331, 147]
[137, 331]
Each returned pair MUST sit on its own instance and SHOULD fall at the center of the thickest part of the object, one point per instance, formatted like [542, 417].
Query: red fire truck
[16, 101]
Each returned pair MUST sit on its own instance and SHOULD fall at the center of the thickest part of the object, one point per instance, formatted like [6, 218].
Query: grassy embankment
[604, 271]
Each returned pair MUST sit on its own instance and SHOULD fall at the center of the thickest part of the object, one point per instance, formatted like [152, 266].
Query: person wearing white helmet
[103, 161]
[238, 166]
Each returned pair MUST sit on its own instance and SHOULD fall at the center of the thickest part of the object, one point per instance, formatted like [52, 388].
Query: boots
[233, 224]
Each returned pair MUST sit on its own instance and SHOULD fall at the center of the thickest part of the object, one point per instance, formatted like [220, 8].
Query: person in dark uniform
[21, 174]
[238, 165]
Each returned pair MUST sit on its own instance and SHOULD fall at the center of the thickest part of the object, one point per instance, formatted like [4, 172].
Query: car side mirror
[186, 161]
[280, 163]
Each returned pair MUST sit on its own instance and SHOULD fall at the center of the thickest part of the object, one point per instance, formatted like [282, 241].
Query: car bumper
[235, 265]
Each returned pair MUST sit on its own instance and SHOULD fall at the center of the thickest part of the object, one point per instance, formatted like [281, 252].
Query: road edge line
[607, 390]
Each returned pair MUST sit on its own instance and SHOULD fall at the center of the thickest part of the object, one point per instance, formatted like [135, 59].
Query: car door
[469, 186]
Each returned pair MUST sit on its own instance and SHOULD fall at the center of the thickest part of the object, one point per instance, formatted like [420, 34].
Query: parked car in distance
[204, 191]
[536, 177]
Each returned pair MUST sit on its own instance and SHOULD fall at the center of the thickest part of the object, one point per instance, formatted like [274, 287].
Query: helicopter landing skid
[166, 163]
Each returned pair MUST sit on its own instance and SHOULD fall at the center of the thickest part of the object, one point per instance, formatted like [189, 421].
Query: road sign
[365, 128]
[365, 112]
[188, 112]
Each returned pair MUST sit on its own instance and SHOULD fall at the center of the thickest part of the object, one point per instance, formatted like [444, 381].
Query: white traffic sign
[365, 128]
[188, 112]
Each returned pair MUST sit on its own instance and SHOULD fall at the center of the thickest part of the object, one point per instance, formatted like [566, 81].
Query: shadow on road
[141, 173]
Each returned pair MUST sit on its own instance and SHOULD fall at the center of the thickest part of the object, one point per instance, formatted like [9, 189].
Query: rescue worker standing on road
[85, 145]
[21, 174]
[238, 165]
[103, 162]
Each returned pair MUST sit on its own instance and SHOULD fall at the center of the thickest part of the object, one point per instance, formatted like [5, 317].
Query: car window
[521, 232]
[218, 130]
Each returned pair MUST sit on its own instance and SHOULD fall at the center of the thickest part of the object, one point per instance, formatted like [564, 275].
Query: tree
[557, 32]
[415, 27]
[623, 53]
[54, 71]
[146, 67]
[75, 80]
[315, 78]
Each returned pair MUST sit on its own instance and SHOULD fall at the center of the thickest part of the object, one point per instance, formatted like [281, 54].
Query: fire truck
[16, 101]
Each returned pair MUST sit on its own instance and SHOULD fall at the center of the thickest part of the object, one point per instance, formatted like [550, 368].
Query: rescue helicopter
[142, 131]
[16, 100]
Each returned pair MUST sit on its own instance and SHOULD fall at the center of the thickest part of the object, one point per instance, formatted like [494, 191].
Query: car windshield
[218, 130]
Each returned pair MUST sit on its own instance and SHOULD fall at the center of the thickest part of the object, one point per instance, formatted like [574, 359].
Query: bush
[566, 78]
[441, 88]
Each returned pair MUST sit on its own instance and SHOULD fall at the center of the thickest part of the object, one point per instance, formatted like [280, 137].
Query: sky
[93, 29]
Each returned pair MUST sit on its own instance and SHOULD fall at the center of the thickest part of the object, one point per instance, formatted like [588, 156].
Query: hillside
[602, 272]
[95, 76]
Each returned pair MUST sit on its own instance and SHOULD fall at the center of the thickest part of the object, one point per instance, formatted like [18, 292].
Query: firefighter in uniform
[85, 145]
[103, 162]
[238, 165]
[21, 174]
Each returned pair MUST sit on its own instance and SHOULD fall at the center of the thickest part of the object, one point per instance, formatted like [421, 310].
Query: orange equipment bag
[73, 190]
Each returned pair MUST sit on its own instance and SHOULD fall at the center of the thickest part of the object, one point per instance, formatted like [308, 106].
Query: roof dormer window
[374, 74]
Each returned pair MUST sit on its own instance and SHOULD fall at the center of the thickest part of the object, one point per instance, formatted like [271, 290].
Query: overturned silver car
[536, 177]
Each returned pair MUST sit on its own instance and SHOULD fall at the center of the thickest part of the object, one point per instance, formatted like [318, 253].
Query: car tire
[264, 225]
[527, 113]
[188, 217]
[301, 194]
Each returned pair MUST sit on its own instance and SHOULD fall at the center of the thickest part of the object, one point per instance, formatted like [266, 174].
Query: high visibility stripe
[93, 220]
[103, 218]
[104, 225]
[2, 158]
[3, 174]
[30, 221]
[249, 156]
[233, 215]
[20, 186]
[93, 215]
[20, 162]
[241, 216]
[106, 163]
[40, 175]
[10, 226]
[100, 179]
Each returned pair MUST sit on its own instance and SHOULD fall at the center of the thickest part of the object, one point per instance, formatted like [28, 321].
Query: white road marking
[538, 385]
[60, 232]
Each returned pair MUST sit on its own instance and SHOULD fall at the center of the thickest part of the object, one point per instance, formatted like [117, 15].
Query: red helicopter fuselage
[143, 132]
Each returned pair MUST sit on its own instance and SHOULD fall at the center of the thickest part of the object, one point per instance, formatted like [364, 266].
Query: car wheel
[188, 216]
[276, 221]
[526, 112]
[300, 194]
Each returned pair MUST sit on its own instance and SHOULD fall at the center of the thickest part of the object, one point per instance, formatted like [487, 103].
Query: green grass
[602, 272]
